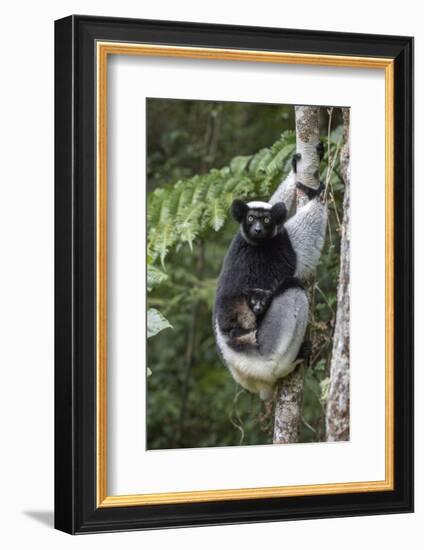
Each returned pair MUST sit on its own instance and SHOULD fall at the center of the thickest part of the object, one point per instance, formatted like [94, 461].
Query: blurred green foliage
[201, 155]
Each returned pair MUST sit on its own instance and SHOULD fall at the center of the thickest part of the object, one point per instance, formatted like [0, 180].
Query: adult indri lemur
[268, 255]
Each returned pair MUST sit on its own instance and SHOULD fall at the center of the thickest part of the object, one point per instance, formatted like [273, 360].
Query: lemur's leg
[282, 330]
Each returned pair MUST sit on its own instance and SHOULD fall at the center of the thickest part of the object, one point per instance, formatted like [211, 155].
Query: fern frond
[154, 277]
[180, 213]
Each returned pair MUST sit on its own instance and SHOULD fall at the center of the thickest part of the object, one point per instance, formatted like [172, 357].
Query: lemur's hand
[242, 340]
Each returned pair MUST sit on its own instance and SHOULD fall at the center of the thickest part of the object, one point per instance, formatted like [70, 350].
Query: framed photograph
[234, 274]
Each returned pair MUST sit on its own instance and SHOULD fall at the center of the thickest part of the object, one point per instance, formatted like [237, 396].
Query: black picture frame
[76, 510]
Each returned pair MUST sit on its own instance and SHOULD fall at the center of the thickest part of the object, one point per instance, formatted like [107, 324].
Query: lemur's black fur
[265, 260]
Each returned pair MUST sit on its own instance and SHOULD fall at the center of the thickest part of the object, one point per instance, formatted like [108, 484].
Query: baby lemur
[248, 310]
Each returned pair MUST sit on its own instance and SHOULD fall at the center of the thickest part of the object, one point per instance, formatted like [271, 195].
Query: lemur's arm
[306, 230]
[289, 282]
[286, 192]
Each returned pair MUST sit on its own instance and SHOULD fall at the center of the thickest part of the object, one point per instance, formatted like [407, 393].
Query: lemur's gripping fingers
[309, 192]
[238, 332]
[320, 150]
[295, 158]
[243, 340]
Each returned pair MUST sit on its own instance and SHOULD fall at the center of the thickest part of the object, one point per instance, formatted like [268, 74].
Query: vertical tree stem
[338, 403]
[288, 404]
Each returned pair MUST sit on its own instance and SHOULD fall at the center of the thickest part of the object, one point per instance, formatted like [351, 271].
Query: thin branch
[325, 297]
[237, 423]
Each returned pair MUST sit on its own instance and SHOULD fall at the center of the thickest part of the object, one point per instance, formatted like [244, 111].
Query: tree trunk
[338, 403]
[288, 405]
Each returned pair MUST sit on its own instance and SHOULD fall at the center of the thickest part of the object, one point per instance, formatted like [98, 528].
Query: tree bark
[338, 403]
[288, 404]
[288, 407]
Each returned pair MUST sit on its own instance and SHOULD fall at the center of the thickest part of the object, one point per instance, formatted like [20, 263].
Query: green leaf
[156, 322]
[154, 277]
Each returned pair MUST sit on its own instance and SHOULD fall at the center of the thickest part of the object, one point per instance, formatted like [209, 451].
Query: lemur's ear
[279, 212]
[238, 210]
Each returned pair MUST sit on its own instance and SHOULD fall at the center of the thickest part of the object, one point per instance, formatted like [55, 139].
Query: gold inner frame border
[103, 50]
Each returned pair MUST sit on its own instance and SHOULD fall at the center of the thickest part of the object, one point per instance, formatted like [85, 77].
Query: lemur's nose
[258, 229]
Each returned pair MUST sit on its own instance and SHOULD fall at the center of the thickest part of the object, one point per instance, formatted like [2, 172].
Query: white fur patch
[259, 204]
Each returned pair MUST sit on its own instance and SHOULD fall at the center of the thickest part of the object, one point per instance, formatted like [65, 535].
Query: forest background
[200, 156]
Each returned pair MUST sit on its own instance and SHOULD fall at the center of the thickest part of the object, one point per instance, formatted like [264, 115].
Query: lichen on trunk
[338, 403]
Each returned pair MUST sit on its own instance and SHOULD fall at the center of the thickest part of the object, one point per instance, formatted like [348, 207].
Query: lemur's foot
[309, 191]
[305, 351]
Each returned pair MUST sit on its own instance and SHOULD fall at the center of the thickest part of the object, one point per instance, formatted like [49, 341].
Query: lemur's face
[258, 301]
[259, 221]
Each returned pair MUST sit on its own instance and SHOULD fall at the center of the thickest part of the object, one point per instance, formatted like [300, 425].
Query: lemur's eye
[250, 219]
[253, 301]
[266, 220]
